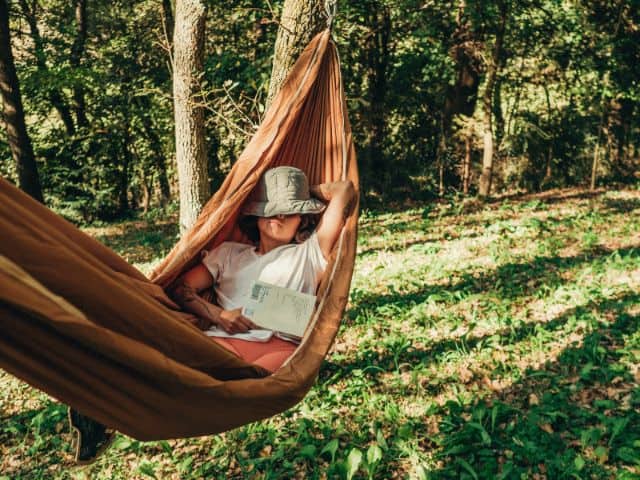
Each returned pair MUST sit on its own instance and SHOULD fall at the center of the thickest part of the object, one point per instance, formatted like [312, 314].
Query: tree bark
[191, 150]
[77, 51]
[441, 155]
[13, 113]
[547, 170]
[301, 20]
[486, 177]
[466, 167]
[498, 115]
[123, 187]
[596, 153]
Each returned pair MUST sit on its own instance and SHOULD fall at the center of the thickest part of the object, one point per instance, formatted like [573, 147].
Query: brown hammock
[80, 323]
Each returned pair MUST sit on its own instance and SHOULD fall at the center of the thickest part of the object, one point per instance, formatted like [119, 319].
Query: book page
[279, 309]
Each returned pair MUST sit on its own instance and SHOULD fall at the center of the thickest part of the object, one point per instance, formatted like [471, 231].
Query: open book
[282, 310]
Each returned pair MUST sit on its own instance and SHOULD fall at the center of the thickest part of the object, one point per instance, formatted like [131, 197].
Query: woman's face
[281, 228]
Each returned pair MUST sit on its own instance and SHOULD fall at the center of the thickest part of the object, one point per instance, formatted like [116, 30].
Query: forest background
[536, 94]
[491, 340]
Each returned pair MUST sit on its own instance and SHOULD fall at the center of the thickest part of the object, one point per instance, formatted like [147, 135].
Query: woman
[279, 211]
[276, 217]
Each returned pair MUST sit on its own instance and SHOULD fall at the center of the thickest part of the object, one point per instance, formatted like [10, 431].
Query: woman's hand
[232, 321]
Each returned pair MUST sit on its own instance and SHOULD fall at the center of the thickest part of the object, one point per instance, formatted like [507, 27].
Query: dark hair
[249, 226]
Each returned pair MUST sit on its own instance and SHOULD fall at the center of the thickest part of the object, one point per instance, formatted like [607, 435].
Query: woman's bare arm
[342, 198]
[185, 294]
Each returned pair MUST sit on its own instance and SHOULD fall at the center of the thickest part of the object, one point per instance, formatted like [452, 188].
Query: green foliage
[566, 89]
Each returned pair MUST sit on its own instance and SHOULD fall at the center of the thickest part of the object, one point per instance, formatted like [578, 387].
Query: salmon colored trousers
[269, 355]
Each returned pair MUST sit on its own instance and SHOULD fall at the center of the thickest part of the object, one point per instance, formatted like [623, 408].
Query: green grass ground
[481, 341]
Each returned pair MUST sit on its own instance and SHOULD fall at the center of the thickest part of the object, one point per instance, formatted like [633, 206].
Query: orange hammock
[80, 323]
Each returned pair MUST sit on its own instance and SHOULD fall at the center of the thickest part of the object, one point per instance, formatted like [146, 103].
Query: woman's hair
[249, 226]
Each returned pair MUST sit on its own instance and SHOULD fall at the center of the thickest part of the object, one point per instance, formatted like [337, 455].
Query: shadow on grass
[575, 418]
[392, 358]
[549, 197]
[395, 247]
[427, 242]
[621, 205]
[509, 282]
[552, 196]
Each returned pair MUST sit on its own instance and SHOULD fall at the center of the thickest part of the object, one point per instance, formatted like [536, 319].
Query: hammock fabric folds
[80, 323]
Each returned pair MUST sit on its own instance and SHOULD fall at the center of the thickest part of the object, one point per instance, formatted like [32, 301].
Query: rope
[330, 8]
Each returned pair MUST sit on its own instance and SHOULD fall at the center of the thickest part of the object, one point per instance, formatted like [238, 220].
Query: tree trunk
[461, 97]
[484, 187]
[626, 115]
[19, 141]
[466, 169]
[191, 150]
[486, 177]
[596, 155]
[123, 187]
[169, 27]
[497, 113]
[377, 48]
[146, 193]
[301, 20]
[596, 151]
[547, 170]
[77, 51]
[55, 96]
[441, 155]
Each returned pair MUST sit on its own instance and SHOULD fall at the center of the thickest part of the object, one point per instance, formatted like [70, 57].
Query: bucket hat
[282, 191]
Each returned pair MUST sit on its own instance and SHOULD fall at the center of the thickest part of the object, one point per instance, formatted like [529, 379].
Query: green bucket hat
[282, 191]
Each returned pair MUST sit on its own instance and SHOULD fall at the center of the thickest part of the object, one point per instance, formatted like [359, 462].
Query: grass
[481, 341]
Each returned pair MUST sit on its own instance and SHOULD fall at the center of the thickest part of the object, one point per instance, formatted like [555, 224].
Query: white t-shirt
[234, 266]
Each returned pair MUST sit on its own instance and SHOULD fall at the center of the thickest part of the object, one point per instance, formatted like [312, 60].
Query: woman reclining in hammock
[276, 218]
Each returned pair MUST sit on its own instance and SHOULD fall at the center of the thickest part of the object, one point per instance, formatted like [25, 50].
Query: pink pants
[269, 355]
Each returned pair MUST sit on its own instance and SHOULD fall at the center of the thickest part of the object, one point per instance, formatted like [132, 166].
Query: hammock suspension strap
[330, 8]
